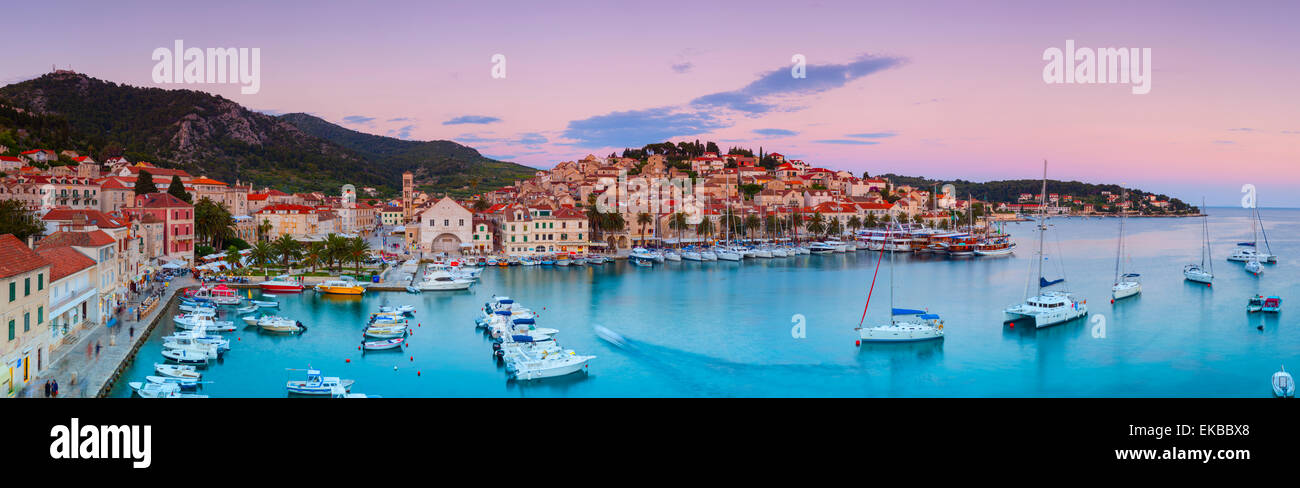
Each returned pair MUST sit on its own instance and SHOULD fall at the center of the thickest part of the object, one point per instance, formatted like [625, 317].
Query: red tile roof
[93, 217]
[159, 200]
[16, 258]
[93, 238]
[65, 261]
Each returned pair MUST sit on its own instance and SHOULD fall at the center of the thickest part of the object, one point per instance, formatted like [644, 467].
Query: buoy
[412, 359]
[857, 343]
[1013, 325]
[347, 360]
[394, 367]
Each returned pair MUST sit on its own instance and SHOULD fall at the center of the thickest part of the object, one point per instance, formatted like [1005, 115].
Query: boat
[925, 326]
[160, 390]
[344, 285]
[315, 384]
[265, 303]
[996, 246]
[443, 281]
[644, 263]
[273, 323]
[728, 254]
[549, 365]
[1283, 384]
[708, 255]
[527, 261]
[672, 255]
[281, 284]
[197, 308]
[1249, 251]
[1204, 272]
[183, 383]
[250, 308]
[1260, 303]
[186, 355]
[1254, 267]
[177, 371]
[1126, 284]
[384, 331]
[820, 248]
[1047, 307]
[382, 344]
[198, 338]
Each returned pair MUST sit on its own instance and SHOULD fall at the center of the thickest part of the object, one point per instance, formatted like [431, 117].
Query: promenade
[117, 344]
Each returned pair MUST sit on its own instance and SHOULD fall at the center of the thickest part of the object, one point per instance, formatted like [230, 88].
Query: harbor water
[724, 329]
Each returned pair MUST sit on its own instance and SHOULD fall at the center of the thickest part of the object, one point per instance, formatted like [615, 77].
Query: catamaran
[1126, 284]
[926, 326]
[1050, 307]
[1249, 251]
[1204, 272]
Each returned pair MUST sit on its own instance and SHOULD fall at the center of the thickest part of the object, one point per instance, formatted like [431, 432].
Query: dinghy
[1283, 384]
[183, 383]
[160, 390]
[381, 345]
[265, 304]
[177, 371]
[185, 356]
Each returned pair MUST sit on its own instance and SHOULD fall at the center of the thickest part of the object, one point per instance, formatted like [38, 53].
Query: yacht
[1047, 307]
[708, 255]
[820, 248]
[1248, 251]
[283, 284]
[690, 254]
[728, 254]
[442, 281]
[1283, 384]
[1204, 272]
[1126, 284]
[531, 366]
[919, 325]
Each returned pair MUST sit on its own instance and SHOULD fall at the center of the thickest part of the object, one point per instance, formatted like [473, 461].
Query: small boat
[315, 384]
[265, 304]
[250, 308]
[385, 332]
[547, 365]
[160, 390]
[527, 261]
[406, 309]
[1204, 272]
[282, 284]
[186, 355]
[1283, 384]
[345, 285]
[1260, 303]
[177, 371]
[381, 345]
[183, 383]
[412, 289]
[1253, 267]
[197, 308]
[443, 281]
[272, 323]
[644, 263]
[692, 256]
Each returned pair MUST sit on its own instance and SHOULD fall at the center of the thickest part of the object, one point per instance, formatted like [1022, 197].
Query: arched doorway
[446, 242]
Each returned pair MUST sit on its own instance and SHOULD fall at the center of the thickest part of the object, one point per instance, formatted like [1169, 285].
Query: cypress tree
[144, 184]
[177, 189]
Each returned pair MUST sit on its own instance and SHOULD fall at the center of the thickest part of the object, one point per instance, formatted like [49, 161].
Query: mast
[1205, 246]
[889, 237]
[1042, 227]
[1119, 246]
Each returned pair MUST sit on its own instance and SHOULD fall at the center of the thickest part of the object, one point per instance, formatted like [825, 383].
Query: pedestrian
[55, 389]
[47, 388]
[97, 346]
[131, 332]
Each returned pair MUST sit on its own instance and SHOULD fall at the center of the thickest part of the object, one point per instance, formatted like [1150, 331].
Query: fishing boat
[281, 284]
[1204, 272]
[1283, 384]
[315, 384]
[1126, 284]
[383, 344]
[925, 326]
[996, 246]
[528, 261]
[563, 260]
[177, 371]
[1260, 303]
[160, 390]
[491, 261]
[962, 246]
[1047, 307]
[344, 285]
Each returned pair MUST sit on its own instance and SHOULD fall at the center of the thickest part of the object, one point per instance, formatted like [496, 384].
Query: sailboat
[1249, 251]
[1047, 307]
[1126, 284]
[1204, 272]
[925, 326]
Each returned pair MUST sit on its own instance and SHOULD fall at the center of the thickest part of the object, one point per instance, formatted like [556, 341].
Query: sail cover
[1247, 244]
[930, 316]
[1044, 283]
[908, 311]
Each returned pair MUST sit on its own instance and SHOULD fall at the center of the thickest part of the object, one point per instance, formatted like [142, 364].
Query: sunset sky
[940, 89]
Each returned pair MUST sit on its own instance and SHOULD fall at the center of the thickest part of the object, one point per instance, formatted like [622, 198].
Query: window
[11, 330]
[40, 315]
[27, 321]
[40, 281]
[13, 290]
[27, 286]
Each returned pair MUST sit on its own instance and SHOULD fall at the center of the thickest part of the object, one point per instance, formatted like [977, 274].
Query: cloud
[401, 119]
[1242, 129]
[1291, 132]
[871, 135]
[1221, 141]
[532, 139]
[775, 132]
[846, 141]
[403, 132]
[529, 139]
[472, 119]
[683, 67]
[637, 127]
[358, 120]
[820, 78]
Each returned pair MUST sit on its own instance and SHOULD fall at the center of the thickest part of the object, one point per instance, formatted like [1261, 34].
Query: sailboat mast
[1042, 227]
[1119, 245]
[1205, 226]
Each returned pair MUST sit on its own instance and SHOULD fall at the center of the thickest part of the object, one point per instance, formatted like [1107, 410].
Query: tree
[643, 219]
[287, 249]
[481, 205]
[336, 249]
[315, 255]
[833, 226]
[177, 189]
[871, 221]
[855, 223]
[144, 184]
[678, 222]
[263, 253]
[357, 250]
[263, 229]
[705, 227]
[752, 223]
[816, 224]
[17, 219]
[232, 257]
[213, 222]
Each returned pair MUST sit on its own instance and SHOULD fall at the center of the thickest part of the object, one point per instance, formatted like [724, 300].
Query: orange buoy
[417, 373]
[857, 343]
[346, 360]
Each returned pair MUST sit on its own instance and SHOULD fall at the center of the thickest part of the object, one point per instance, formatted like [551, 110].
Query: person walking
[47, 388]
[54, 389]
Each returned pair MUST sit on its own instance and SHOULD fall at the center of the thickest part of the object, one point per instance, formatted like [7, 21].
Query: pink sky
[965, 98]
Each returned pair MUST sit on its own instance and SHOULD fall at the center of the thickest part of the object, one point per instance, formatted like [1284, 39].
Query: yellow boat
[341, 287]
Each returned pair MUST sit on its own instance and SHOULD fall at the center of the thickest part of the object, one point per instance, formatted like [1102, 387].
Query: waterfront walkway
[116, 345]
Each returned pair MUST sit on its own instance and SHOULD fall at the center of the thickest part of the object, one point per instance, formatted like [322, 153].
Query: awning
[173, 265]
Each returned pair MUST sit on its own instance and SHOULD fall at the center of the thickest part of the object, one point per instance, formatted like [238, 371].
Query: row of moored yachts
[529, 352]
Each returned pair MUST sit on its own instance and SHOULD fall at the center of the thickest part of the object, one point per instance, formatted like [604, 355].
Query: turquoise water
[724, 329]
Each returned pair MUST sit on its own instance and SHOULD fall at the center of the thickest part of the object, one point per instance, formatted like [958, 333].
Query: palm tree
[357, 249]
[287, 249]
[855, 223]
[335, 249]
[232, 256]
[678, 222]
[213, 222]
[833, 227]
[752, 222]
[643, 219]
[771, 224]
[263, 229]
[705, 227]
[263, 253]
[871, 222]
[316, 254]
[816, 224]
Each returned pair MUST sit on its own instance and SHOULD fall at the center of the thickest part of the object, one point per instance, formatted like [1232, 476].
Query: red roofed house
[72, 294]
[289, 219]
[24, 296]
[178, 219]
[102, 248]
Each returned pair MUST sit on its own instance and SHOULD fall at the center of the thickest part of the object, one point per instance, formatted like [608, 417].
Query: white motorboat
[836, 245]
[177, 371]
[197, 338]
[820, 248]
[385, 331]
[197, 308]
[187, 355]
[316, 384]
[202, 320]
[443, 281]
[160, 390]
[183, 383]
[643, 253]
[265, 303]
[382, 344]
[275, 323]
[547, 365]
[1283, 384]
[1254, 267]
[692, 256]
[250, 308]
[671, 255]
[1050, 307]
